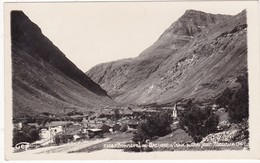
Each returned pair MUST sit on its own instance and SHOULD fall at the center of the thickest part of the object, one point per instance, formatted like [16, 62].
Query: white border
[254, 67]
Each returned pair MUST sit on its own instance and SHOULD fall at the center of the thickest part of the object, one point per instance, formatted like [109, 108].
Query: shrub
[61, 139]
[243, 131]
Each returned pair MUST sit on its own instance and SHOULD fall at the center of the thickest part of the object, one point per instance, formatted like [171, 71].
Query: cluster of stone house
[92, 126]
[78, 130]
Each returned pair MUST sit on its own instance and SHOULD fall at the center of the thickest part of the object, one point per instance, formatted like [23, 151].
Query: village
[82, 127]
[108, 126]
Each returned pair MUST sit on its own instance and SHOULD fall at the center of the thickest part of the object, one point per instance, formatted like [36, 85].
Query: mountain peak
[191, 11]
[18, 13]
[200, 18]
[197, 56]
[193, 22]
[180, 32]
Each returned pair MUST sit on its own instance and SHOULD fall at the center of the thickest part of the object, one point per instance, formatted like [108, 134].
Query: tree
[224, 98]
[57, 139]
[34, 134]
[157, 124]
[116, 114]
[236, 101]
[198, 122]
[26, 134]
[123, 128]
[38, 121]
[238, 107]
[44, 121]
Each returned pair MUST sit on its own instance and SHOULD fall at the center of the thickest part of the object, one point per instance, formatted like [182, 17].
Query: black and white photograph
[129, 79]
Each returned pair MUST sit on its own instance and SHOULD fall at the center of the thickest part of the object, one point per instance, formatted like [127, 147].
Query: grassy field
[113, 139]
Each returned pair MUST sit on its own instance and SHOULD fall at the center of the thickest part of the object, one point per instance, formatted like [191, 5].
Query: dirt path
[65, 148]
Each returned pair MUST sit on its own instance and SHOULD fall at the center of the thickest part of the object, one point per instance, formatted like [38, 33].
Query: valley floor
[64, 148]
[104, 146]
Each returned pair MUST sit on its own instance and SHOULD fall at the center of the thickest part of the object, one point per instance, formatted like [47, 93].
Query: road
[64, 148]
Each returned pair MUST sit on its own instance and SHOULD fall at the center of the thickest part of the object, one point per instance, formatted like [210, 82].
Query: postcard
[132, 80]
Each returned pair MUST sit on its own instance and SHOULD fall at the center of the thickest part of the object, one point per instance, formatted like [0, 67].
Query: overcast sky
[93, 33]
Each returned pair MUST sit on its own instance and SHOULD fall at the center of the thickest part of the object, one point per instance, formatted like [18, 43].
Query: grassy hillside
[44, 79]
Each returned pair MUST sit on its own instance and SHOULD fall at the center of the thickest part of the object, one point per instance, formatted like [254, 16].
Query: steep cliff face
[198, 56]
[43, 79]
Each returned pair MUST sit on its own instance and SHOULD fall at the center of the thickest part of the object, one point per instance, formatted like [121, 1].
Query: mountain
[198, 56]
[44, 79]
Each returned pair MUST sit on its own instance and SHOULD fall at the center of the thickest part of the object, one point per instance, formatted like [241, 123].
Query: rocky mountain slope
[198, 56]
[44, 79]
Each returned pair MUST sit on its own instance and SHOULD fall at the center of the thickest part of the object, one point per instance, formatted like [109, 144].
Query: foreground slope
[198, 56]
[43, 79]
